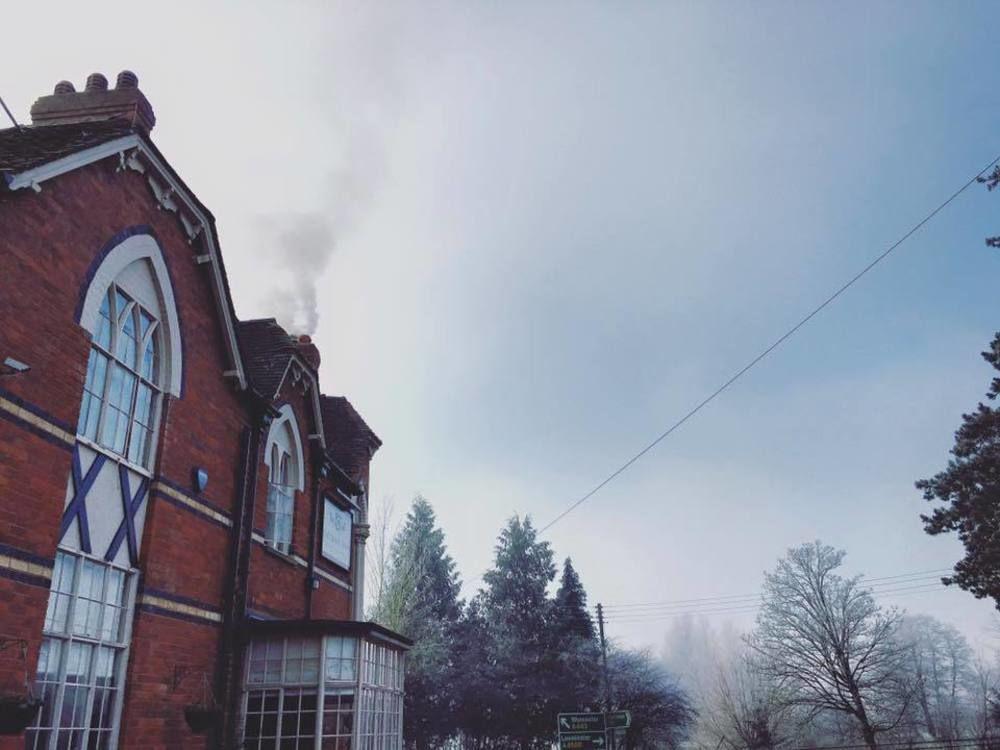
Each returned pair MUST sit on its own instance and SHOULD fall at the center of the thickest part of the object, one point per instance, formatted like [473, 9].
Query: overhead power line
[873, 583]
[985, 741]
[750, 608]
[778, 342]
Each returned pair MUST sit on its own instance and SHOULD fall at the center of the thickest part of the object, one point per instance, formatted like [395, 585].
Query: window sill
[288, 557]
[116, 457]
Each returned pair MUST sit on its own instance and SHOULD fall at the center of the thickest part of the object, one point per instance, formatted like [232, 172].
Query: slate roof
[349, 440]
[266, 349]
[30, 147]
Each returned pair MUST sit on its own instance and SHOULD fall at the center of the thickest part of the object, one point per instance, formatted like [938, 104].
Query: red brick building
[182, 512]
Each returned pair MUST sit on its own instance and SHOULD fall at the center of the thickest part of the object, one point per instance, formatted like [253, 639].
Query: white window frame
[102, 392]
[280, 501]
[376, 686]
[122, 647]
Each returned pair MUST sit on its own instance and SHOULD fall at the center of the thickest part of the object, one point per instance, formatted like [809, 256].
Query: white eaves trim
[317, 410]
[33, 178]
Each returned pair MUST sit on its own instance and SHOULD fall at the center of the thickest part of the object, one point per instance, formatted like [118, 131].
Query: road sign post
[582, 731]
[593, 731]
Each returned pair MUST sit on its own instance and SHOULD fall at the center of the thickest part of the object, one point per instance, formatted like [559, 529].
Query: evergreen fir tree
[421, 602]
[517, 613]
[571, 613]
[577, 684]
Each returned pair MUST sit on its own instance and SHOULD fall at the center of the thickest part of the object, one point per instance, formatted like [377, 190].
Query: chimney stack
[307, 349]
[95, 103]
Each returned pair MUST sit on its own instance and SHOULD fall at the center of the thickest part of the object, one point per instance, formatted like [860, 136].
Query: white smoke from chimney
[300, 246]
[363, 91]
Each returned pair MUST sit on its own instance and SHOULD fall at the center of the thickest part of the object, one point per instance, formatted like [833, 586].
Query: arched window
[283, 458]
[135, 356]
[121, 393]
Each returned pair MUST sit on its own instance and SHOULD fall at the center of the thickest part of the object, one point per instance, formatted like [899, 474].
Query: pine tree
[421, 602]
[517, 613]
[969, 489]
[571, 614]
[577, 682]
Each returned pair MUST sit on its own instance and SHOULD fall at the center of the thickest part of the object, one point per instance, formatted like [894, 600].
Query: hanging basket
[17, 712]
[201, 719]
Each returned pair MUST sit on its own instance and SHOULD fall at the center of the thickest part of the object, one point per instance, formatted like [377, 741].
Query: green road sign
[582, 740]
[618, 719]
[592, 722]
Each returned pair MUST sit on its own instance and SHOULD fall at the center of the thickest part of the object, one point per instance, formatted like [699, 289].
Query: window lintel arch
[122, 253]
[286, 423]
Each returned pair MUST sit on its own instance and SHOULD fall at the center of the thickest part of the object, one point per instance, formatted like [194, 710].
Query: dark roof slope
[30, 147]
[349, 440]
[266, 349]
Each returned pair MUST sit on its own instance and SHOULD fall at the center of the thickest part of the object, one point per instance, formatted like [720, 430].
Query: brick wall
[48, 242]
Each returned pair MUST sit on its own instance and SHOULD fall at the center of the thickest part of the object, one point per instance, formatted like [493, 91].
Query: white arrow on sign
[563, 722]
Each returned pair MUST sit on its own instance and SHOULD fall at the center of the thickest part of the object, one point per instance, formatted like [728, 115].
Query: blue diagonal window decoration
[77, 508]
[130, 507]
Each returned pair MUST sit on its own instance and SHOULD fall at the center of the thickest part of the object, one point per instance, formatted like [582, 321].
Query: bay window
[323, 691]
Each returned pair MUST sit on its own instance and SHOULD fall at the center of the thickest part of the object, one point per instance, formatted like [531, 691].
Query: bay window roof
[370, 631]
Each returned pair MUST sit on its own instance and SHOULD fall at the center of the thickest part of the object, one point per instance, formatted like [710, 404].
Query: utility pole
[604, 658]
[608, 736]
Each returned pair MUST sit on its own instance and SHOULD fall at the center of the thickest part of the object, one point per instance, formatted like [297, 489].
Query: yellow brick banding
[191, 503]
[23, 566]
[179, 608]
[36, 421]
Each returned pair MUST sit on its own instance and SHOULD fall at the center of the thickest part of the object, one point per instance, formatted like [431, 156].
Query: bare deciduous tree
[389, 589]
[940, 664]
[828, 646]
[745, 708]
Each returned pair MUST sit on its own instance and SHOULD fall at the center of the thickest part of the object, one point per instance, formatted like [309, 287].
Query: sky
[539, 233]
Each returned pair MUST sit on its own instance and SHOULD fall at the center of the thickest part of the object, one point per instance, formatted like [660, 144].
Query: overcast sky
[542, 232]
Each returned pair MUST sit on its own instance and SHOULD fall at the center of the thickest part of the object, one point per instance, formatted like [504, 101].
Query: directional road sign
[618, 719]
[588, 722]
[582, 731]
[582, 740]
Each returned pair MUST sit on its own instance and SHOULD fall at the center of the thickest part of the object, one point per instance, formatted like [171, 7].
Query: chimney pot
[96, 82]
[96, 103]
[308, 350]
[127, 80]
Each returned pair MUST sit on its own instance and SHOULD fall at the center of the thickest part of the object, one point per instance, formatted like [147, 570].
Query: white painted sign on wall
[336, 534]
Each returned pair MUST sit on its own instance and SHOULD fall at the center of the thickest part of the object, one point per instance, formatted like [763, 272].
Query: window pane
[125, 349]
[278, 529]
[102, 336]
[121, 394]
[93, 393]
[57, 611]
[283, 474]
[150, 360]
[340, 659]
[75, 693]
[90, 594]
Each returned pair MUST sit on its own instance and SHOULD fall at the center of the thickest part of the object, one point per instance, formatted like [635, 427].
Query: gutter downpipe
[237, 589]
[313, 581]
